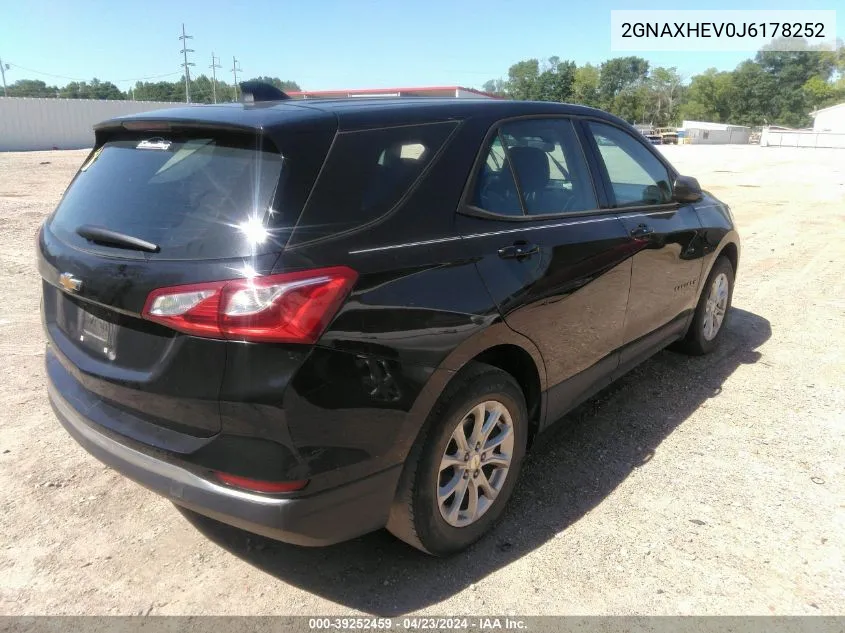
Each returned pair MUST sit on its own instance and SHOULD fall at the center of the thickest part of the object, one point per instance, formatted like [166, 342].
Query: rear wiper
[102, 235]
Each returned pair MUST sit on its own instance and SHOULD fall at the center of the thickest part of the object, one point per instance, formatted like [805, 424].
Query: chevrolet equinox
[315, 319]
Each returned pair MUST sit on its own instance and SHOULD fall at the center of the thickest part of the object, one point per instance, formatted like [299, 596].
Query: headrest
[532, 167]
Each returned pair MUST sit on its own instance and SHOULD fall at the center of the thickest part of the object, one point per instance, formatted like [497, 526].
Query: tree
[840, 58]
[754, 98]
[95, 90]
[522, 80]
[790, 71]
[555, 82]
[620, 74]
[32, 88]
[496, 87]
[585, 85]
[665, 85]
[283, 85]
[819, 93]
[811, 60]
[709, 97]
[526, 81]
[202, 90]
[776, 87]
[158, 91]
[166, 91]
[104, 90]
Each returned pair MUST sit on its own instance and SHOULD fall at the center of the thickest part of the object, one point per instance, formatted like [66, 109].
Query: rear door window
[195, 198]
[367, 174]
[546, 159]
[495, 188]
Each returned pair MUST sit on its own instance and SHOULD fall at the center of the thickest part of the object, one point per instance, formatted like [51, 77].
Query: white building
[705, 132]
[830, 119]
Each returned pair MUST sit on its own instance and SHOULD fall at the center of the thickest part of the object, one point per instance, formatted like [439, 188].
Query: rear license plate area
[87, 330]
[98, 335]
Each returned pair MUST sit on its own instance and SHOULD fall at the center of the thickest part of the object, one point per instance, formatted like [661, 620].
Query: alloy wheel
[475, 463]
[716, 306]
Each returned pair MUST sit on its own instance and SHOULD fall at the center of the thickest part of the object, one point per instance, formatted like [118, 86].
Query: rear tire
[460, 475]
[711, 314]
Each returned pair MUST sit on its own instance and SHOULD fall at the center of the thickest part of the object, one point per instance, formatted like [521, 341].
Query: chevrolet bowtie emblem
[69, 282]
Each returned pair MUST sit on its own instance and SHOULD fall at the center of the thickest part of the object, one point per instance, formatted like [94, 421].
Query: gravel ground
[693, 486]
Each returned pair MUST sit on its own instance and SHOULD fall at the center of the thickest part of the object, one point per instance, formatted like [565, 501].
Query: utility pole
[185, 50]
[3, 69]
[235, 71]
[214, 66]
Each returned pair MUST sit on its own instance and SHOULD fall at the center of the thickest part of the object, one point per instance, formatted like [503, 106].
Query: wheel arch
[513, 353]
[497, 345]
[729, 246]
[730, 250]
[517, 362]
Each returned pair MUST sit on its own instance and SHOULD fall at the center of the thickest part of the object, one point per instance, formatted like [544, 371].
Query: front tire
[711, 314]
[462, 470]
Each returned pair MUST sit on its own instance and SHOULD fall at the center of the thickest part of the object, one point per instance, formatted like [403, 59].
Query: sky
[328, 44]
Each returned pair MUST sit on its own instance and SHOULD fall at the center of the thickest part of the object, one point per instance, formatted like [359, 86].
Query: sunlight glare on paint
[248, 271]
[254, 230]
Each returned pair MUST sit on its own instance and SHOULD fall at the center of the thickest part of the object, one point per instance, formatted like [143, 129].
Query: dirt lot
[713, 485]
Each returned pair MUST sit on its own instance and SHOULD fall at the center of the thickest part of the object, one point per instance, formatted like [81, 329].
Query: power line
[235, 71]
[175, 72]
[214, 66]
[38, 72]
[185, 50]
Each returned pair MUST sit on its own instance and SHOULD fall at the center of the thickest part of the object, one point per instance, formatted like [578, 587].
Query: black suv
[313, 320]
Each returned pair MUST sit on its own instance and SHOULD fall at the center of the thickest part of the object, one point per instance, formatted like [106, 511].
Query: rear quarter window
[195, 198]
[366, 175]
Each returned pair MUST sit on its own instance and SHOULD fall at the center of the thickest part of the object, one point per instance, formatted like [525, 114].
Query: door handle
[518, 250]
[642, 230]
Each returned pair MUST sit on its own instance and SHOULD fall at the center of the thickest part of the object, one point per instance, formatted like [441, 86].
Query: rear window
[367, 173]
[195, 198]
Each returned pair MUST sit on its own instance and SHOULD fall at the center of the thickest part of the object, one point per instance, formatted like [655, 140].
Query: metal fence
[38, 124]
[794, 138]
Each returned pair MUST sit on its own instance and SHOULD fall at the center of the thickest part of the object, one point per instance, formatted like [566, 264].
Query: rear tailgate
[211, 204]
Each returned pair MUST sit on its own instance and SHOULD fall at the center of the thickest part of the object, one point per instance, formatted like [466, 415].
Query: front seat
[532, 168]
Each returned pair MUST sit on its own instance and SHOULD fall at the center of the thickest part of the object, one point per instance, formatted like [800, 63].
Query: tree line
[202, 90]
[774, 88]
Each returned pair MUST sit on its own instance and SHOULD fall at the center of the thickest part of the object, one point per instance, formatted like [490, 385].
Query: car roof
[355, 113]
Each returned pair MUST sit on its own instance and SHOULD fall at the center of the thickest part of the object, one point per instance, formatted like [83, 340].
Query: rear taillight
[286, 308]
[259, 485]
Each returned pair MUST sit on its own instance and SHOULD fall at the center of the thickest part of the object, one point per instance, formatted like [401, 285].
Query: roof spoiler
[257, 91]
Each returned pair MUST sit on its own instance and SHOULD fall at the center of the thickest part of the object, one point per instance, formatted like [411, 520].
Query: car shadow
[570, 472]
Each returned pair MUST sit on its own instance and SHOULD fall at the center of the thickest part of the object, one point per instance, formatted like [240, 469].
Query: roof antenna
[257, 91]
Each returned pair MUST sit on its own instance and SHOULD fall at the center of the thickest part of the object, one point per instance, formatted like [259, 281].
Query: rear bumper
[327, 517]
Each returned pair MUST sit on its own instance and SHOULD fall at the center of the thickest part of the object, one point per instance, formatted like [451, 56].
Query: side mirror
[686, 189]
